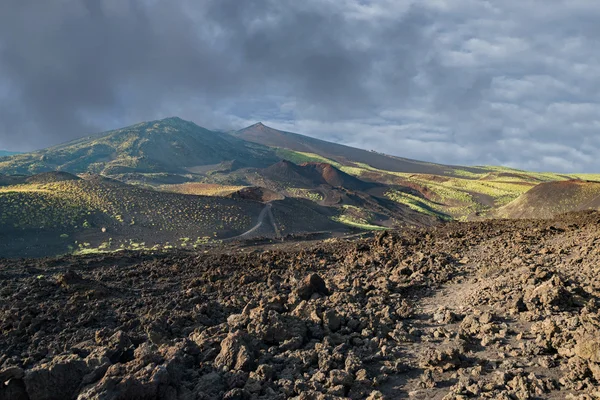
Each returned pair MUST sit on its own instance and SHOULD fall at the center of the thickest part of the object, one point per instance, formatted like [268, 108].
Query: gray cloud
[453, 81]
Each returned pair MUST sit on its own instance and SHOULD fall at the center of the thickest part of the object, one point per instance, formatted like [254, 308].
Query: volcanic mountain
[551, 198]
[345, 155]
[172, 151]
[170, 145]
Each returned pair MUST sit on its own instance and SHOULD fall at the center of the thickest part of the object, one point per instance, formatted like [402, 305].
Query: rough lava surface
[494, 309]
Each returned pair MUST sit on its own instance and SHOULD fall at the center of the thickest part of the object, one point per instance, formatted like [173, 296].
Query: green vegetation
[418, 204]
[132, 245]
[305, 194]
[298, 157]
[539, 176]
[39, 208]
[588, 177]
[357, 217]
[202, 189]
[461, 193]
[166, 153]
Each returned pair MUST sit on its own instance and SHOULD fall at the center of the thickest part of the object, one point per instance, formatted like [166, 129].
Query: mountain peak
[175, 122]
[173, 119]
[258, 125]
[259, 129]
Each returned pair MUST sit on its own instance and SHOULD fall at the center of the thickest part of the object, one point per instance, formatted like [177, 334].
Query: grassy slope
[459, 193]
[202, 189]
[163, 153]
[95, 213]
[357, 218]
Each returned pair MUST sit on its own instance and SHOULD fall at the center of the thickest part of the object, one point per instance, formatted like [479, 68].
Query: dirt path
[265, 214]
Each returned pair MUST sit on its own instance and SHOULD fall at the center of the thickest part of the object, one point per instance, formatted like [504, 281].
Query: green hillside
[170, 145]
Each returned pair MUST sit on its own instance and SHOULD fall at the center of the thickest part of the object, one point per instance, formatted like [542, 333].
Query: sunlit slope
[549, 199]
[97, 203]
[458, 193]
[174, 155]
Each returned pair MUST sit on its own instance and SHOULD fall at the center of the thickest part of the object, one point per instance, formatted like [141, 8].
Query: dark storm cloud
[456, 81]
[75, 66]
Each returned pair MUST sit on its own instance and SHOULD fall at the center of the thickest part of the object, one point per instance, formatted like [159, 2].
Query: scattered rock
[236, 352]
[11, 373]
[406, 318]
[589, 349]
[312, 284]
[57, 379]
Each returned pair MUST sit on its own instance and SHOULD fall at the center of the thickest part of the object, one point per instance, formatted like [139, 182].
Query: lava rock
[310, 285]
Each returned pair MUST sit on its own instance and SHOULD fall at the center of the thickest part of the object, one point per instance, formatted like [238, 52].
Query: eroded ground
[495, 309]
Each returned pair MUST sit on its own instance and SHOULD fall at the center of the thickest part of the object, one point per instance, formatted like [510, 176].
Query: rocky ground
[494, 309]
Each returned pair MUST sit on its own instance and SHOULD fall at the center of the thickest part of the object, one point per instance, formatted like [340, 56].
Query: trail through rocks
[494, 309]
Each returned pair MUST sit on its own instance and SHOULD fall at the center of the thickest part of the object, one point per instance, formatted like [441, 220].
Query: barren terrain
[495, 309]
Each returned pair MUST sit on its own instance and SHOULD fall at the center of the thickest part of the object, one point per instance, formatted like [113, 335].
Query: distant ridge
[5, 153]
[346, 155]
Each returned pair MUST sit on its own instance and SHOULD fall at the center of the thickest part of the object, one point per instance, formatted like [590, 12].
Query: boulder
[236, 353]
[588, 349]
[310, 285]
[56, 380]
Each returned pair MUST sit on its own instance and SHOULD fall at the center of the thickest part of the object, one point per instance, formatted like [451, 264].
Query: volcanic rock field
[495, 309]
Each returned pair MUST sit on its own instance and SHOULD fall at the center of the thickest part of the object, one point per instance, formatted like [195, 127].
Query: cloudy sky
[511, 82]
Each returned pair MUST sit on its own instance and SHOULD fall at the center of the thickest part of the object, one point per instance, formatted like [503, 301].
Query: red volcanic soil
[548, 199]
[309, 175]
